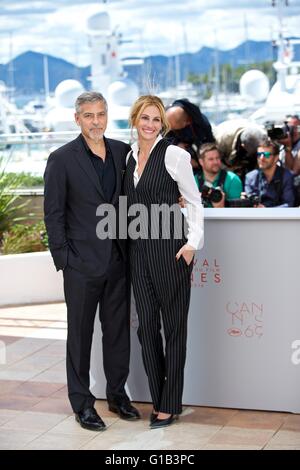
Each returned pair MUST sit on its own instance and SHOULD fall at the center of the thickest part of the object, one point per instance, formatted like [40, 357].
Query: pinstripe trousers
[161, 287]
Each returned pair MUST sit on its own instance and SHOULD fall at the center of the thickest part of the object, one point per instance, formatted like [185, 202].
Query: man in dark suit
[79, 177]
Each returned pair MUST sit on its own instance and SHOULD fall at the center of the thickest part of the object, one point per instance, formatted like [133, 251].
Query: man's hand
[187, 251]
[286, 141]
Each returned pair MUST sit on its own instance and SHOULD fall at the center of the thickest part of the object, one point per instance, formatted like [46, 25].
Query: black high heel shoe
[162, 423]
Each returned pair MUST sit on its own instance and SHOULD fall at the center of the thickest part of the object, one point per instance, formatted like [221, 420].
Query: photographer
[215, 184]
[189, 128]
[288, 135]
[271, 184]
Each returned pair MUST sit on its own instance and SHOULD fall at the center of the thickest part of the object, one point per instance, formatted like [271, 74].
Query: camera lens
[216, 195]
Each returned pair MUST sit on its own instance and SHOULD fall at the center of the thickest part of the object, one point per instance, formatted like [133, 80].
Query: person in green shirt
[212, 176]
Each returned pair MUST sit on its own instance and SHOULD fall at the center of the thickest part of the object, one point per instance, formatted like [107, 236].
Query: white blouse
[178, 165]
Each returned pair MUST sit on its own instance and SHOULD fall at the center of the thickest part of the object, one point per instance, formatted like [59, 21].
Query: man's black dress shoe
[162, 423]
[89, 419]
[125, 410]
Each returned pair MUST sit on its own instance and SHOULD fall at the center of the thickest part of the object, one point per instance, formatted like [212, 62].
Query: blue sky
[152, 26]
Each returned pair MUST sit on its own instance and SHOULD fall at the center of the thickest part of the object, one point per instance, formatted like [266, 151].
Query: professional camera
[210, 194]
[246, 200]
[278, 132]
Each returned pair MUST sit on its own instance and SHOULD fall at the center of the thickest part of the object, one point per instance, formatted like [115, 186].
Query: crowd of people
[239, 164]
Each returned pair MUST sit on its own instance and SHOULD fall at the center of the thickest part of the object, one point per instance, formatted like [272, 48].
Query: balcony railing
[29, 151]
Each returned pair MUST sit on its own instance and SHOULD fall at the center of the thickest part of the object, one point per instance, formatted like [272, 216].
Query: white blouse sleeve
[178, 165]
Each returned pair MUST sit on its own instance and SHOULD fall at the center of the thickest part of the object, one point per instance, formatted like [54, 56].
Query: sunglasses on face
[264, 154]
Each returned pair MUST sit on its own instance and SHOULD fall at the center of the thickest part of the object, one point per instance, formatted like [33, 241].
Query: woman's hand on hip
[187, 251]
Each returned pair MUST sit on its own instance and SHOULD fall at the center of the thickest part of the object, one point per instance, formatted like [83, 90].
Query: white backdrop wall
[244, 319]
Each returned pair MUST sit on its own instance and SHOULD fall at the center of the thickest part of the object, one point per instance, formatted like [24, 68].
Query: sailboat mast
[280, 65]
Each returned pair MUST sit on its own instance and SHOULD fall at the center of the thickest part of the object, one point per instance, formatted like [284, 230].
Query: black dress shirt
[105, 169]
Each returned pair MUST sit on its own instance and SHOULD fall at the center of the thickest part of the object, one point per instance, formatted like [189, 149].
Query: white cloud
[154, 26]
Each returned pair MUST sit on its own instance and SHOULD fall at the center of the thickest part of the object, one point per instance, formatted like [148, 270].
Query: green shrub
[8, 205]
[26, 180]
[25, 239]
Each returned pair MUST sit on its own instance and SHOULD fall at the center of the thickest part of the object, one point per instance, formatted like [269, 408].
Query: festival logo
[245, 319]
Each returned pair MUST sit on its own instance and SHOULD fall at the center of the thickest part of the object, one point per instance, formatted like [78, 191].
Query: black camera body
[279, 132]
[210, 194]
[251, 200]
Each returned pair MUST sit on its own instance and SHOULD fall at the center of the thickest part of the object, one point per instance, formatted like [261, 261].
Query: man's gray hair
[251, 137]
[89, 97]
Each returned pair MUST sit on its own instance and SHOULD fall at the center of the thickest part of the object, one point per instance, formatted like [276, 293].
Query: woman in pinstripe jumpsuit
[158, 173]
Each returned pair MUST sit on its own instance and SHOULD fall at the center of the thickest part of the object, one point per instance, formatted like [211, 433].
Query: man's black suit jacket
[72, 195]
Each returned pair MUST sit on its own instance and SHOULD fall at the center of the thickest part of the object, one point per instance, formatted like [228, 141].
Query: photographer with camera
[271, 184]
[215, 184]
[288, 135]
[189, 128]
